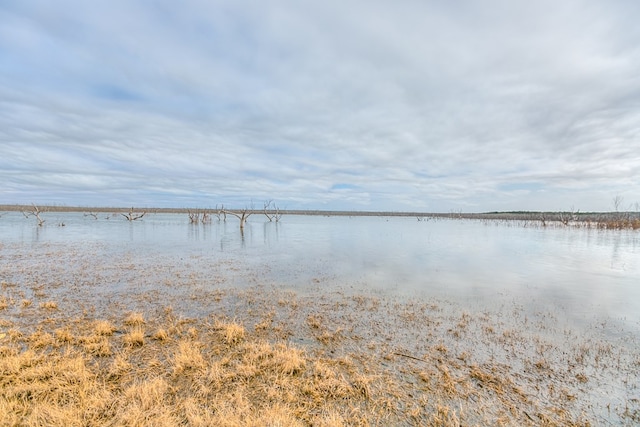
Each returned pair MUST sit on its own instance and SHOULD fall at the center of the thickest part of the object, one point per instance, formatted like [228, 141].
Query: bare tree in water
[242, 215]
[272, 211]
[133, 216]
[36, 213]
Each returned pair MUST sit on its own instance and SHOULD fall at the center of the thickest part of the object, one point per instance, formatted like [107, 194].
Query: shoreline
[503, 215]
[627, 220]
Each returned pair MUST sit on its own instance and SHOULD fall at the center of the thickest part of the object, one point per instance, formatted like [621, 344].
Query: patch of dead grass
[134, 319]
[160, 335]
[135, 337]
[232, 332]
[188, 358]
[103, 327]
[49, 305]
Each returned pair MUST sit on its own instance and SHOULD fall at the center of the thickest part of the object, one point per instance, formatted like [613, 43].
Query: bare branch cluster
[272, 211]
[617, 202]
[35, 212]
[220, 213]
[571, 216]
[242, 215]
[199, 217]
[133, 216]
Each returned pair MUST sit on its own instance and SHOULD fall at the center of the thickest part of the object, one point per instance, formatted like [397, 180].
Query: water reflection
[199, 232]
[578, 272]
[271, 233]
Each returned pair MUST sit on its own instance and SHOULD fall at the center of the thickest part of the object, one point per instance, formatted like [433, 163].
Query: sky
[405, 105]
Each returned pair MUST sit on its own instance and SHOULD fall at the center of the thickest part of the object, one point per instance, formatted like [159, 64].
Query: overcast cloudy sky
[366, 105]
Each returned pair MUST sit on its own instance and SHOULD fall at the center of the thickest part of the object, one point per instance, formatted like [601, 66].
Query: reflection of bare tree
[36, 213]
[131, 216]
[270, 232]
[199, 233]
[615, 253]
[36, 234]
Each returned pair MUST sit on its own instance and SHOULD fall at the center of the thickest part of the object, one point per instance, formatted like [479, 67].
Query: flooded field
[359, 320]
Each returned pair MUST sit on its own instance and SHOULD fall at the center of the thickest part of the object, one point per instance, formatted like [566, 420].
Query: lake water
[549, 307]
[580, 273]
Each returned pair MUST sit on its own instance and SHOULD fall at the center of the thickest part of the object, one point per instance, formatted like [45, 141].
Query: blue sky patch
[115, 93]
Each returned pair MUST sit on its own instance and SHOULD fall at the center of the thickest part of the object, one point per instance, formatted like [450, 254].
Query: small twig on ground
[410, 357]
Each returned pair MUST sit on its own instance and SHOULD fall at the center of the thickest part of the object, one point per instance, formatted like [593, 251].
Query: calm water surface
[580, 273]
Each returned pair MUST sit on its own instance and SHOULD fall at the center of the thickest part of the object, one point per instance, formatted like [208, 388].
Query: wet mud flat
[91, 338]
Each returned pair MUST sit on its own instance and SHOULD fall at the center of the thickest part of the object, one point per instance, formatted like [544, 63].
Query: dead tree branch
[271, 211]
[36, 213]
[220, 213]
[571, 216]
[543, 219]
[131, 216]
[199, 217]
[242, 215]
[617, 202]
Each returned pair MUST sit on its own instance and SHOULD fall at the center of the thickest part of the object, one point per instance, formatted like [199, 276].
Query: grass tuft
[160, 335]
[63, 335]
[49, 305]
[134, 319]
[135, 337]
[103, 328]
[188, 358]
[232, 332]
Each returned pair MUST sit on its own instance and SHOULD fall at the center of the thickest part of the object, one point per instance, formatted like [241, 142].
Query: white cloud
[410, 105]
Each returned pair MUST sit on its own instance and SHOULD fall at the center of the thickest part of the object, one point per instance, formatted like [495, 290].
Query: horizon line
[65, 208]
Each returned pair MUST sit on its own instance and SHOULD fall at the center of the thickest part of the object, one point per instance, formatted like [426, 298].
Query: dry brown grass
[94, 372]
[188, 358]
[96, 345]
[232, 332]
[134, 319]
[100, 379]
[135, 337]
[620, 224]
[160, 335]
[63, 335]
[330, 361]
[49, 305]
[103, 327]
